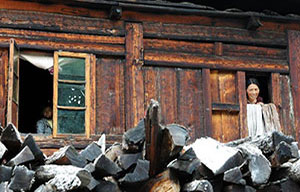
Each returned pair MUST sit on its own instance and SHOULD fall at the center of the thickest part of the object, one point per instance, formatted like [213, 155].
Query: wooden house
[111, 57]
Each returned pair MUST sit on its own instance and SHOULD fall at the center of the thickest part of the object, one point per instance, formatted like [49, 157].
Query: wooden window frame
[13, 71]
[89, 69]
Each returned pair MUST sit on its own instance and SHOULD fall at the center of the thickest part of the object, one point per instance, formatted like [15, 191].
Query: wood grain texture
[294, 62]
[190, 102]
[223, 87]
[254, 51]
[242, 102]
[276, 91]
[208, 33]
[187, 60]
[110, 103]
[225, 124]
[207, 102]
[180, 94]
[179, 46]
[60, 23]
[54, 8]
[63, 41]
[287, 111]
[3, 84]
[134, 92]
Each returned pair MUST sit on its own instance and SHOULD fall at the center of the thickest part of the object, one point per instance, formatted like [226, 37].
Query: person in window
[44, 125]
[253, 92]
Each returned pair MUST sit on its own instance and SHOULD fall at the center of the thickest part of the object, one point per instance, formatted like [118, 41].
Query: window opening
[263, 79]
[35, 93]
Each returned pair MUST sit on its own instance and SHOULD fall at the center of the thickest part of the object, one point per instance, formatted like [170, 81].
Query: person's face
[48, 113]
[252, 92]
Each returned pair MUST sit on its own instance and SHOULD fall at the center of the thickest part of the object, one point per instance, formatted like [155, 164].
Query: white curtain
[39, 59]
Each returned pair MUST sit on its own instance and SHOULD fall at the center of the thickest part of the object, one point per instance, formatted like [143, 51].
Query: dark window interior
[36, 92]
[263, 79]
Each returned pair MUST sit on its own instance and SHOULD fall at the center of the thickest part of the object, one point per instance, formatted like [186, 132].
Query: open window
[71, 100]
[63, 80]
[264, 82]
[13, 84]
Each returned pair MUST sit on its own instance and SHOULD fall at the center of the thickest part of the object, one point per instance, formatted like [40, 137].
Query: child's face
[48, 113]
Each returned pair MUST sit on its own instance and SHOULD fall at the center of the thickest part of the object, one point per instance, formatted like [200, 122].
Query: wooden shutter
[13, 83]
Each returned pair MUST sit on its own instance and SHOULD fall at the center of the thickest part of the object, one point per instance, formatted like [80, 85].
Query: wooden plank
[134, 95]
[179, 46]
[87, 95]
[207, 99]
[61, 37]
[287, 114]
[60, 23]
[227, 88]
[110, 103]
[254, 51]
[217, 126]
[13, 84]
[93, 95]
[150, 85]
[55, 93]
[230, 124]
[225, 107]
[48, 7]
[242, 102]
[189, 101]
[275, 90]
[294, 63]
[3, 84]
[208, 33]
[156, 58]
[167, 82]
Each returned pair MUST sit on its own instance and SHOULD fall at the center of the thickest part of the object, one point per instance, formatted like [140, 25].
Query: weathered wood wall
[194, 65]
[3, 84]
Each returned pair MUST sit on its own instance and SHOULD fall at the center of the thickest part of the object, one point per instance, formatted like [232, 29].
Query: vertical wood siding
[110, 115]
[180, 94]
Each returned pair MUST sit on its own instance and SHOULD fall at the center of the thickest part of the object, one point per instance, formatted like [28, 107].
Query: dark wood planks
[242, 100]
[159, 58]
[294, 60]
[208, 33]
[134, 92]
[108, 45]
[180, 94]
[286, 110]
[60, 23]
[207, 101]
[110, 96]
[190, 102]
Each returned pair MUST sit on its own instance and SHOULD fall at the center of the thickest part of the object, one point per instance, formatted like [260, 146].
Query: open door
[13, 84]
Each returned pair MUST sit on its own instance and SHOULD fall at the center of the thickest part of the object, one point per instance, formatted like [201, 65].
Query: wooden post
[242, 100]
[207, 101]
[294, 64]
[134, 82]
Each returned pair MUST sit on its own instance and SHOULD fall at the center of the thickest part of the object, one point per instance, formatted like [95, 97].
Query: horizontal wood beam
[185, 60]
[60, 23]
[64, 41]
[207, 48]
[225, 107]
[208, 33]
